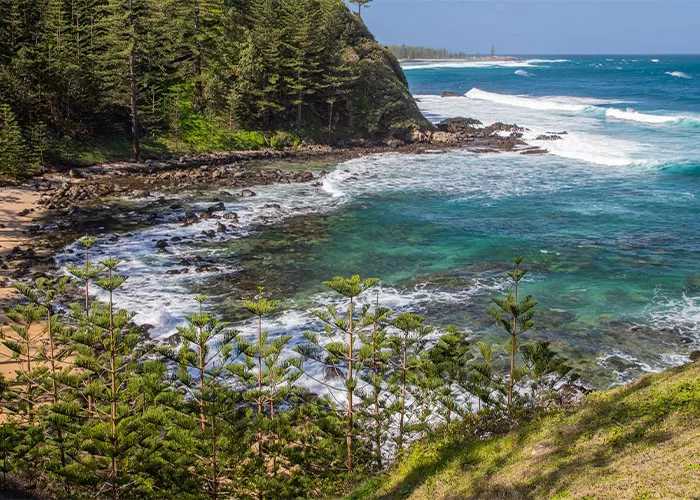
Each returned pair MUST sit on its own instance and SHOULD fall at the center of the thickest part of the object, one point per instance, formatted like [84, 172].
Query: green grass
[101, 150]
[641, 441]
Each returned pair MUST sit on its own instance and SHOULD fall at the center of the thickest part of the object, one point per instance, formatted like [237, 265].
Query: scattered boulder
[695, 356]
[162, 245]
[218, 207]
[248, 193]
[457, 125]
[231, 216]
[449, 94]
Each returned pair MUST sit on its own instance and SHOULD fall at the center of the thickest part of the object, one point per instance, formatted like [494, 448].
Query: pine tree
[86, 273]
[302, 64]
[374, 356]
[341, 347]
[515, 317]
[14, 155]
[406, 345]
[450, 357]
[218, 438]
[360, 4]
[482, 380]
[59, 407]
[546, 368]
[107, 347]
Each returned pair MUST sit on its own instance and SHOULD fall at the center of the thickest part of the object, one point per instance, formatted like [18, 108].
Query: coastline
[464, 59]
[42, 216]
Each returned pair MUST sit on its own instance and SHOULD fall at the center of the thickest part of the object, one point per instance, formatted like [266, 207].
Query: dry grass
[641, 441]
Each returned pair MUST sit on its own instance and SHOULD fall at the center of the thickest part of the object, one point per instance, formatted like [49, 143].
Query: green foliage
[90, 81]
[281, 140]
[515, 317]
[412, 52]
[95, 410]
[15, 159]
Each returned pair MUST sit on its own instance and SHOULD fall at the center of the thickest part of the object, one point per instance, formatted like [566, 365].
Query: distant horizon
[525, 27]
[573, 54]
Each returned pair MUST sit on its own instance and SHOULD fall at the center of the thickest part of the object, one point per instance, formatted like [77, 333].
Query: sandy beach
[13, 233]
[14, 227]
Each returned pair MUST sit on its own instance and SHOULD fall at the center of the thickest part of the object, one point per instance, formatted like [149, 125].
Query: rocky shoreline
[66, 199]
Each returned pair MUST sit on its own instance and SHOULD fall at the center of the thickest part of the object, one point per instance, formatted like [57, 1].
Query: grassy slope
[640, 441]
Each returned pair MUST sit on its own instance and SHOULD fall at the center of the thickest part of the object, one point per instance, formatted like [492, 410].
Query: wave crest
[679, 74]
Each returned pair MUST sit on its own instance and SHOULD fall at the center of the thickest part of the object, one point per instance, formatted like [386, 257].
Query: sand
[13, 233]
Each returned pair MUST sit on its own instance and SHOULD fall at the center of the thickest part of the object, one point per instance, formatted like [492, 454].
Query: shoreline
[43, 215]
[464, 59]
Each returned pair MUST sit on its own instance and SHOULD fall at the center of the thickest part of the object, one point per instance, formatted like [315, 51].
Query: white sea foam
[655, 61]
[522, 72]
[485, 64]
[547, 103]
[679, 74]
[580, 117]
[636, 116]
[682, 315]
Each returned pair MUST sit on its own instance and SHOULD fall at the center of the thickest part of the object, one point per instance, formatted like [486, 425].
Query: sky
[540, 26]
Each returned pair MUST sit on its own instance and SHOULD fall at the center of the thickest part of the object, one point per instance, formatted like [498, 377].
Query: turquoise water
[608, 224]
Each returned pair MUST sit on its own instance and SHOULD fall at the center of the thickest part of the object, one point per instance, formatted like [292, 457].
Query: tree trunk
[135, 132]
[350, 378]
[54, 388]
[113, 397]
[198, 88]
[330, 120]
[135, 129]
[214, 463]
[299, 115]
[404, 368]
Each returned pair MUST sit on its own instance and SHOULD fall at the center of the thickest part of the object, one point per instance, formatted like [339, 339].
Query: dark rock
[174, 340]
[449, 94]
[231, 216]
[395, 143]
[218, 207]
[24, 212]
[548, 138]
[173, 272]
[275, 206]
[207, 269]
[333, 373]
[161, 245]
[695, 356]
[247, 193]
[456, 125]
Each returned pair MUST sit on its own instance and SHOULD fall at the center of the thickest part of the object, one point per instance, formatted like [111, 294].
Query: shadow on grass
[621, 418]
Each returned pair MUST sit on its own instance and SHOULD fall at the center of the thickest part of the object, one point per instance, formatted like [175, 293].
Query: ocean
[607, 223]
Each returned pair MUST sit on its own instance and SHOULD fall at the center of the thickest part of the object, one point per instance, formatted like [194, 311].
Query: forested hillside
[192, 75]
[413, 52]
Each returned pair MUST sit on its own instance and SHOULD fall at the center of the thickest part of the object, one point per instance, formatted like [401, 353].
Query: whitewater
[606, 221]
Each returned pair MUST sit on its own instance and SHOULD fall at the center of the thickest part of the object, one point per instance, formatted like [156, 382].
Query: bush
[244, 140]
[283, 139]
